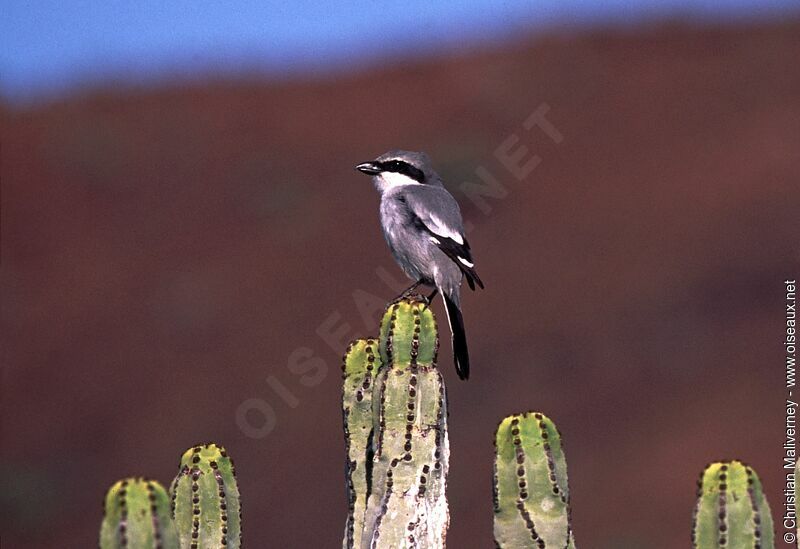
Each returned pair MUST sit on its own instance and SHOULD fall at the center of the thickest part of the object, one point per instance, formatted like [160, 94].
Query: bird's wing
[436, 212]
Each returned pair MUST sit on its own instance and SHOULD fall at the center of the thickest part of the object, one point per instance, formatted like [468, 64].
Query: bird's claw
[410, 296]
[413, 296]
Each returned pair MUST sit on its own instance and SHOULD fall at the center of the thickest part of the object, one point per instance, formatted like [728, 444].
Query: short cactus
[531, 494]
[731, 509]
[205, 500]
[137, 516]
[407, 452]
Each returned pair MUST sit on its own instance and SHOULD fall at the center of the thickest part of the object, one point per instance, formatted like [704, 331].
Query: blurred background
[182, 226]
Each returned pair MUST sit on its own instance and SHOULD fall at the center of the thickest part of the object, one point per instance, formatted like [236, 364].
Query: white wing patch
[436, 226]
[465, 262]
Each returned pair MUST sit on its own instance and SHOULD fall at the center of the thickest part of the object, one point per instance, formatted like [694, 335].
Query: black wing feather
[450, 247]
[454, 251]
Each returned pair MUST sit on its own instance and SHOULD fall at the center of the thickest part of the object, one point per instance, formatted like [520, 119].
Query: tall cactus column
[531, 494]
[361, 363]
[405, 449]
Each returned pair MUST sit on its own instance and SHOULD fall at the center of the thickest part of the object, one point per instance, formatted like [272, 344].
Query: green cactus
[395, 423]
[403, 443]
[137, 516]
[531, 494]
[205, 499]
[731, 509]
[361, 363]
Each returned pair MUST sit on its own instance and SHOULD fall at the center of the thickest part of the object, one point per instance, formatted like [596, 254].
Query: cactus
[731, 509]
[137, 516]
[531, 494]
[394, 408]
[205, 499]
[361, 363]
[397, 498]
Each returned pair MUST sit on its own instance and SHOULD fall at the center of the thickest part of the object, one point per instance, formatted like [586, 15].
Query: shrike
[422, 225]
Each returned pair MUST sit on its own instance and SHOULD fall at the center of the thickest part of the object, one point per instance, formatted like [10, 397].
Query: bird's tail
[459, 337]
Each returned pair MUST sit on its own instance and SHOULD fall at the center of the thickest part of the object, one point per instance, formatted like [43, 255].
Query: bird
[422, 225]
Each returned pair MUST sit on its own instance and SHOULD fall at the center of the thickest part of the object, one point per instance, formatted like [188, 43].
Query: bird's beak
[368, 168]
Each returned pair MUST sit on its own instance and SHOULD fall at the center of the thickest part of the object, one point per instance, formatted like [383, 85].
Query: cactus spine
[531, 494]
[205, 499]
[403, 441]
[731, 509]
[137, 515]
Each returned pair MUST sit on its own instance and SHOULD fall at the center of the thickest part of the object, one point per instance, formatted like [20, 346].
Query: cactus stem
[407, 449]
[731, 510]
[206, 499]
[136, 515]
[530, 492]
[359, 367]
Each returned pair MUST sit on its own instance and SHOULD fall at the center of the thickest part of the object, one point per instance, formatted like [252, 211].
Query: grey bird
[422, 224]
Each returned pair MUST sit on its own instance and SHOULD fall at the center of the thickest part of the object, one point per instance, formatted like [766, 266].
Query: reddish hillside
[166, 253]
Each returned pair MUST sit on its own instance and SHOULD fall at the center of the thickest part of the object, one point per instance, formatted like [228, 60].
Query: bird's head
[397, 168]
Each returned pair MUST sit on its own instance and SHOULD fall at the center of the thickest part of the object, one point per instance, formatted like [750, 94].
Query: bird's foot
[414, 297]
[429, 299]
[409, 296]
[410, 290]
[408, 293]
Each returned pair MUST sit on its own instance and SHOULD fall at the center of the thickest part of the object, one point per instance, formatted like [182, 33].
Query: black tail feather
[477, 280]
[459, 337]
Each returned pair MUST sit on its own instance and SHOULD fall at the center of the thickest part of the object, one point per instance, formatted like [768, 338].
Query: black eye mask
[399, 166]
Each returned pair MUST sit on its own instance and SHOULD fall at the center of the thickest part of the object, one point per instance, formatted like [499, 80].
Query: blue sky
[49, 46]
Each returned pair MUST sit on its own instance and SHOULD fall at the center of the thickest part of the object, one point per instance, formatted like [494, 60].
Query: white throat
[389, 180]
